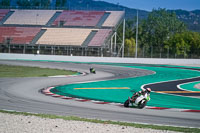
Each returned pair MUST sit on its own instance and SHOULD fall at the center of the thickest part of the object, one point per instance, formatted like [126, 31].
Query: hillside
[190, 18]
[101, 5]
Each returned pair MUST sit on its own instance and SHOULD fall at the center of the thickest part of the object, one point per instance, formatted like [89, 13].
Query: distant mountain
[190, 18]
[101, 5]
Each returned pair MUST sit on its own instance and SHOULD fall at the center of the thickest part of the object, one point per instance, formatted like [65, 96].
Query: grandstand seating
[64, 36]
[30, 17]
[80, 28]
[79, 18]
[18, 35]
[3, 13]
[113, 19]
[100, 37]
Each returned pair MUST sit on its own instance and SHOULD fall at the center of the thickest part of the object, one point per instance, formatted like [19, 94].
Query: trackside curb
[63, 76]
[47, 92]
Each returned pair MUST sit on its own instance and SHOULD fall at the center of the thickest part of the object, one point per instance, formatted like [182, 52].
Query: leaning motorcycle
[140, 102]
[92, 70]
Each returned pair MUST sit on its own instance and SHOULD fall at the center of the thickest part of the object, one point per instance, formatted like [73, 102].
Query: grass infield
[24, 71]
[136, 125]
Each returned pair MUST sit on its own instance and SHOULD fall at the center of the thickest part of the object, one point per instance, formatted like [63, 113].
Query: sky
[148, 5]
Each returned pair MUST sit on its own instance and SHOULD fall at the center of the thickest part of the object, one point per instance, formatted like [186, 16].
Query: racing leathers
[139, 93]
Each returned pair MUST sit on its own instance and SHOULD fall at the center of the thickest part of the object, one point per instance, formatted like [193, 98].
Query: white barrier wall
[100, 59]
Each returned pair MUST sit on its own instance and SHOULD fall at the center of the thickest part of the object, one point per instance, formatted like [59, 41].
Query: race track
[23, 94]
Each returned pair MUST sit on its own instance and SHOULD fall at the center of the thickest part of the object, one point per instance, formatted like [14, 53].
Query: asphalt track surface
[172, 85]
[23, 94]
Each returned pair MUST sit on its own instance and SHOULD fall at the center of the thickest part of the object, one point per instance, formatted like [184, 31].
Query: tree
[186, 43]
[45, 3]
[23, 3]
[193, 39]
[60, 3]
[35, 3]
[159, 26]
[130, 47]
[5, 3]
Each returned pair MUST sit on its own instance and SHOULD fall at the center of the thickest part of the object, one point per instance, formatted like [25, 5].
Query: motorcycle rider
[92, 70]
[142, 92]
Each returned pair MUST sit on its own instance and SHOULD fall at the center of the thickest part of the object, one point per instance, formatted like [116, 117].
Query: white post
[24, 49]
[123, 39]
[136, 40]
[115, 42]
[8, 48]
[111, 45]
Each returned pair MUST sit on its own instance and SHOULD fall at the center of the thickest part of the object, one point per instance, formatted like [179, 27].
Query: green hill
[190, 18]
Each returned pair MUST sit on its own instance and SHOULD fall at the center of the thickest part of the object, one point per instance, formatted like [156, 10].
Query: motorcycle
[92, 70]
[140, 102]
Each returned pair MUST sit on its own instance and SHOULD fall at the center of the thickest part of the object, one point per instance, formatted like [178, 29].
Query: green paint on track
[190, 86]
[120, 95]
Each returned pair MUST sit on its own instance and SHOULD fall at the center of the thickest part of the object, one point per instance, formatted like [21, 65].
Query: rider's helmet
[148, 90]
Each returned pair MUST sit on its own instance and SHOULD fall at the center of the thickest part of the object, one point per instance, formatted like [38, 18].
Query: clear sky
[148, 5]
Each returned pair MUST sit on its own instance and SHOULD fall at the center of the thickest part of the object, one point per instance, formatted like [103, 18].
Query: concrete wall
[195, 62]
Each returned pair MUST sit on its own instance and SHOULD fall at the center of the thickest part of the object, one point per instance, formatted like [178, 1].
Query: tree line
[33, 3]
[161, 35]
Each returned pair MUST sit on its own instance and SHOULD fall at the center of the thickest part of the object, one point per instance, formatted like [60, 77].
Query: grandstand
[99, 37]
[113, 18]
[79, 18]
[64, 36]
[3, 13]
[58, 31]
[18, 35]
[30, 17]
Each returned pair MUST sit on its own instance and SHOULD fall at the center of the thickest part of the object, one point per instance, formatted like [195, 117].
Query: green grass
[23, 71]
[157, 127]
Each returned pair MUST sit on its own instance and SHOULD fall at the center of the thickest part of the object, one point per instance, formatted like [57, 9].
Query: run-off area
[119, 90]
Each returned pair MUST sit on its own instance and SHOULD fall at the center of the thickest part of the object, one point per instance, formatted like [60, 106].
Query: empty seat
[30, 17]
[100, 37]
[113, 19]
[18, 35]
[79, 18]
[3, 13]
[64, 36]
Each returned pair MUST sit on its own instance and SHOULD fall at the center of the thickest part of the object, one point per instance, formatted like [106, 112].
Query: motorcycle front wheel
[142, 104]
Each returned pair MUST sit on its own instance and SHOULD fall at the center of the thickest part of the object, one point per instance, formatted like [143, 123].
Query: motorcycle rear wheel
[126, 103]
